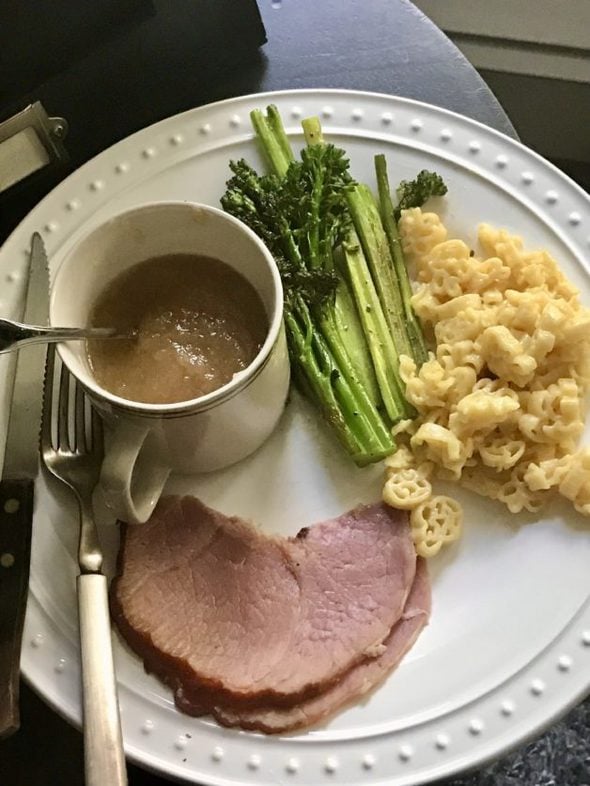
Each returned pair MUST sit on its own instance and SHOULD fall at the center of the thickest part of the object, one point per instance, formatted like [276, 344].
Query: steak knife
[21, 459]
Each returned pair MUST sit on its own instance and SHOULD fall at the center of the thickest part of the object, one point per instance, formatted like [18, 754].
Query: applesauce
[195, 323]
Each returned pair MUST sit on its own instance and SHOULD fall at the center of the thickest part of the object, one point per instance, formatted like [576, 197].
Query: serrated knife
[21, 460]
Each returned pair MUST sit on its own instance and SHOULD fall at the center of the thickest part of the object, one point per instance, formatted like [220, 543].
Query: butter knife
[21, 458]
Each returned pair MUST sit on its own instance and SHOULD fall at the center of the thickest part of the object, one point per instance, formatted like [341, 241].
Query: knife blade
[21, 460]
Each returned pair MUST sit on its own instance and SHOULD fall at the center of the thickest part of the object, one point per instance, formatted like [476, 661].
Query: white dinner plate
[508, 646]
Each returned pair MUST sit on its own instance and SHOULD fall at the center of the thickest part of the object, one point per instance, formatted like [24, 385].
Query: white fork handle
[104, 759]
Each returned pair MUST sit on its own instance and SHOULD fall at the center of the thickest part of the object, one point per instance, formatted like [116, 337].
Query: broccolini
[348, 315]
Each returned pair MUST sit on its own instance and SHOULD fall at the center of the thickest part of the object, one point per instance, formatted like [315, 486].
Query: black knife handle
[16, 517]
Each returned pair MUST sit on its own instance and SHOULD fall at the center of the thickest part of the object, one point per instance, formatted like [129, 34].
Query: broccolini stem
[367, 222]
[419, 351]
[381, 344]
[346, 317]
[275, 143]
[344, 309]
[332, 390]
[273, 118]
[312, 131]
[302, 356]
[369, 422]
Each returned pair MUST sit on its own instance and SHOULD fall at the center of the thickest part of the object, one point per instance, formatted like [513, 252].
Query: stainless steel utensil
[15, 335]
[75, 457]
[21, 461]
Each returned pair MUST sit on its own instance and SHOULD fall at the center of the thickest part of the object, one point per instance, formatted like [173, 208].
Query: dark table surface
[162, 64]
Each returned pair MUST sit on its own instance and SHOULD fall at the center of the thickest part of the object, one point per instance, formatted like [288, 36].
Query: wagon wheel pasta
[434, 522]
[406, 489]
[500, 399]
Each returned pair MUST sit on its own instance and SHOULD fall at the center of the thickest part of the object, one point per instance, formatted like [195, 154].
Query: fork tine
[96, 430]
[63, 430]
[46, 438]
[80, 420]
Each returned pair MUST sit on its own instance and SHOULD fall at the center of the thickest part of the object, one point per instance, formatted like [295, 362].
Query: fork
[74, 457]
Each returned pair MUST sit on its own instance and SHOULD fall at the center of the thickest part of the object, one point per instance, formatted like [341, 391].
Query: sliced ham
[229, 616]
[358, 681]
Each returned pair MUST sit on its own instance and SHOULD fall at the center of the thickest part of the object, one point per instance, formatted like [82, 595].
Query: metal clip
[30, 141]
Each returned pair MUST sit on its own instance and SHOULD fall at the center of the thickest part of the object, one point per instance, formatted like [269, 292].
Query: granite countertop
[560, 757]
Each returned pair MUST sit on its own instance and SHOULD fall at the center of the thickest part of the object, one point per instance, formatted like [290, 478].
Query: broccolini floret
[414, 193]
